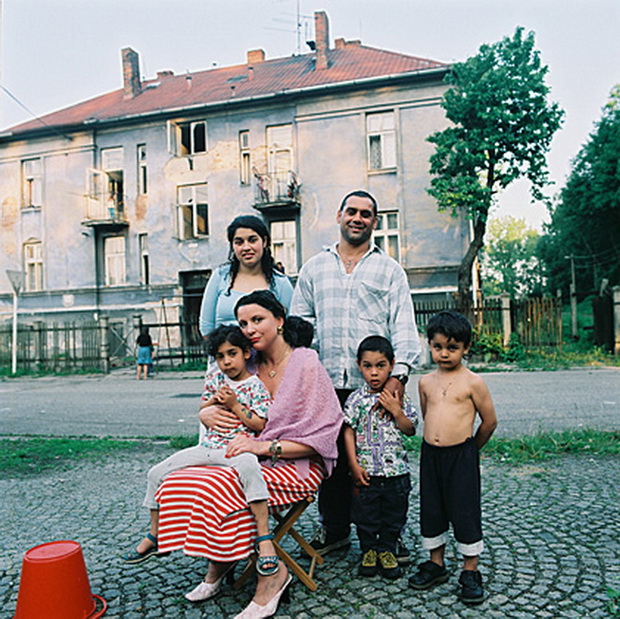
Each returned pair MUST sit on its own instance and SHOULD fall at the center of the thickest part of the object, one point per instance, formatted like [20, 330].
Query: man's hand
[393, 386]
[219, 419]
[390, 403]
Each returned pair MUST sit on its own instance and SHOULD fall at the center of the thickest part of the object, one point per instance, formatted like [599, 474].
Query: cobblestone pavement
[552, 533]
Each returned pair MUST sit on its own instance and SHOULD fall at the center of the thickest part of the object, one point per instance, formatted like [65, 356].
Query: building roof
[349, 63]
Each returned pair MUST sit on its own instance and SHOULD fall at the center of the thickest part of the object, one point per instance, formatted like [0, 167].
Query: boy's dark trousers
[335, 491]
[380, 511]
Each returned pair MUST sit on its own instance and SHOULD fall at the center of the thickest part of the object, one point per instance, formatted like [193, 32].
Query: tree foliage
[502, 126]
[509, 260]
[585, 222]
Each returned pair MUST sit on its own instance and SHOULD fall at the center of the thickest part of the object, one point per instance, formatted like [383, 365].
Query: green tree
[585, 222]
[509, 260]
[502, 126]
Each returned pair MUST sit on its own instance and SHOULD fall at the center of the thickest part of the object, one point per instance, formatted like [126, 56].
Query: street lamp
[17, 281]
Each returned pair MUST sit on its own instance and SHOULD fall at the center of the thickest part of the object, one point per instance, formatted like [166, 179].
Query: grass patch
[34, 455]
[544, 446]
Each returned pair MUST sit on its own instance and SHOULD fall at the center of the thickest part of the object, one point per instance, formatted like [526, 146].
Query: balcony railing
[102, 212]
[276, 189]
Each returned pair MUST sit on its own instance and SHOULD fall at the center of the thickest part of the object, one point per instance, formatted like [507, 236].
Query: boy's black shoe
[403, 556]
[389, 565]
[323, 542]
[368, 566]
[428, 574]
[471, 587]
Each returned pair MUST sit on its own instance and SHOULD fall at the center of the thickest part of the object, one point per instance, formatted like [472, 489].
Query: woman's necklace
[275, 366]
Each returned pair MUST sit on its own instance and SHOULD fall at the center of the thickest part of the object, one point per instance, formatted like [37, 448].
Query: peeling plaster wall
[329, 144]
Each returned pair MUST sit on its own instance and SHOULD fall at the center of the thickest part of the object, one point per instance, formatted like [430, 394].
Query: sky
[55, 53]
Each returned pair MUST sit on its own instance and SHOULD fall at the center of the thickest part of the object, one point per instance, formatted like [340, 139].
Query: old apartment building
[119, 205]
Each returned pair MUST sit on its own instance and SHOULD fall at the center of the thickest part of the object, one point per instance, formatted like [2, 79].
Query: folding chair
[284, 527]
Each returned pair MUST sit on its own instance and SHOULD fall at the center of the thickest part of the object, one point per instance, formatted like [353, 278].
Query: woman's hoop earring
[280, 330]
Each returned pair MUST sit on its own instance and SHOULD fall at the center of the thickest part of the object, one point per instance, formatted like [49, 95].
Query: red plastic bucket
[54, 584]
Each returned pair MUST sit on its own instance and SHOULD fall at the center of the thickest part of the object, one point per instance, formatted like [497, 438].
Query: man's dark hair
[451, 324]
[227, 333]
[375, 343]
[360, 193]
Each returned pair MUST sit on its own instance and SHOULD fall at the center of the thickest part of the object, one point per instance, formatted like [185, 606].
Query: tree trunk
[463, 295]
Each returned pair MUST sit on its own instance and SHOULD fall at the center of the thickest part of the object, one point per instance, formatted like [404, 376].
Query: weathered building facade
[119, 205]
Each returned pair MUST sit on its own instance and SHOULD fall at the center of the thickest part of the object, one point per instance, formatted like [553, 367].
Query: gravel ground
[552, 533]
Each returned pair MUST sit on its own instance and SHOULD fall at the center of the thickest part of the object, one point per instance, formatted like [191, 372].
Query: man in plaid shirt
[349, 291]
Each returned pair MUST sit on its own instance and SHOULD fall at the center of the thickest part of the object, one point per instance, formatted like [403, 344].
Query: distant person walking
[145, 357]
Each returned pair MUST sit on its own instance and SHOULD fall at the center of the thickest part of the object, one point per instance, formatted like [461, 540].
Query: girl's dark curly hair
[227, 333]
[258, 225]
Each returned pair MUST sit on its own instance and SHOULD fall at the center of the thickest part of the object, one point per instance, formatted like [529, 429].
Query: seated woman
[203, 510]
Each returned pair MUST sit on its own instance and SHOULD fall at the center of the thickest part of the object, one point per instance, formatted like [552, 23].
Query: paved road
[118, 405]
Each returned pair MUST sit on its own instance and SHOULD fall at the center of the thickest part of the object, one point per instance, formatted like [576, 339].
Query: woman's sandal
[134, 557]
[267, 559]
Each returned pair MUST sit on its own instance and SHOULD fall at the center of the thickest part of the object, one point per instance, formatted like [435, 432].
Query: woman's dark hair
[296, 331]
[258, 225]
[227, 333]
[375, 343]
[452, 325]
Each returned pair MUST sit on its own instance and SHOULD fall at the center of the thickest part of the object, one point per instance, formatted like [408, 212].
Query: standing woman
[250, 267]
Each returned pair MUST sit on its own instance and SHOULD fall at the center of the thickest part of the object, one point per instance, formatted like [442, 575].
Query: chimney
[321, 37]
[131, 73]
[339, 43]
[162, 75]
[256, 56]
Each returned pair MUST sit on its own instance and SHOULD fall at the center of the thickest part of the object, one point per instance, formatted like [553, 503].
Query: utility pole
[573, 297]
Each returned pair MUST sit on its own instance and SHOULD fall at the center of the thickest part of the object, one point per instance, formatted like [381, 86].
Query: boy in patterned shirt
[375, 424]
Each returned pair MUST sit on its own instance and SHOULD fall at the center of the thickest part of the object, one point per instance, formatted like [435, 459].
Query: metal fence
[55, 347]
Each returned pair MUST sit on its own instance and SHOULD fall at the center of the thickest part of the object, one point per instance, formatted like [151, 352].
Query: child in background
[145, 353]
[231, 386]
[450, 399]
[378, 459]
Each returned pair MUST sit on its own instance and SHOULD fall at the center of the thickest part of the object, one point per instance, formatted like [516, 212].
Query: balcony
[276, 191]
[108, 213]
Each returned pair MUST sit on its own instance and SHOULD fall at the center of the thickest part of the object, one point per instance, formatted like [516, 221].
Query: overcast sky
[56, 53]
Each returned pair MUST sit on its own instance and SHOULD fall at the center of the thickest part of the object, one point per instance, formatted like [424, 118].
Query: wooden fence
[537, 322]
[102, 344]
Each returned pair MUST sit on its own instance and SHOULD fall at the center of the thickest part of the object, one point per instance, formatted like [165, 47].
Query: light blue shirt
[218, 303]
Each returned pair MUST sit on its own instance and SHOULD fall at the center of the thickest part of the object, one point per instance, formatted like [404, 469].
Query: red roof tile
[348, 63]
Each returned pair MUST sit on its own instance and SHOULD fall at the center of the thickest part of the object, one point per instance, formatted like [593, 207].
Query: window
[193, 211]
[380, 129]
[244, 157]
[33, 266]
[284, 244]
[386, 235]
[187, 138]
[114, 260]
[31, 182]
[145, 267]
[112, 165]
[141, 155]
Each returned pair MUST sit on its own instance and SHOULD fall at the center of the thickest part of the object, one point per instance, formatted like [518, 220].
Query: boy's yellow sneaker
[389, 565]
[368, 566]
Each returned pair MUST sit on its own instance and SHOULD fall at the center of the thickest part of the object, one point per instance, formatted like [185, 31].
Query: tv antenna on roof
[302, 22]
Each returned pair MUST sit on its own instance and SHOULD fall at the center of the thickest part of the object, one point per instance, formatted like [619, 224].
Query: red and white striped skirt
[203, 511]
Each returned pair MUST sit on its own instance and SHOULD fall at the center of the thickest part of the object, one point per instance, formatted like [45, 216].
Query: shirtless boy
[450, 399]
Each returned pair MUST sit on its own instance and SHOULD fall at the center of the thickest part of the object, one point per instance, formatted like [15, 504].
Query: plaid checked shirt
[345, 308]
